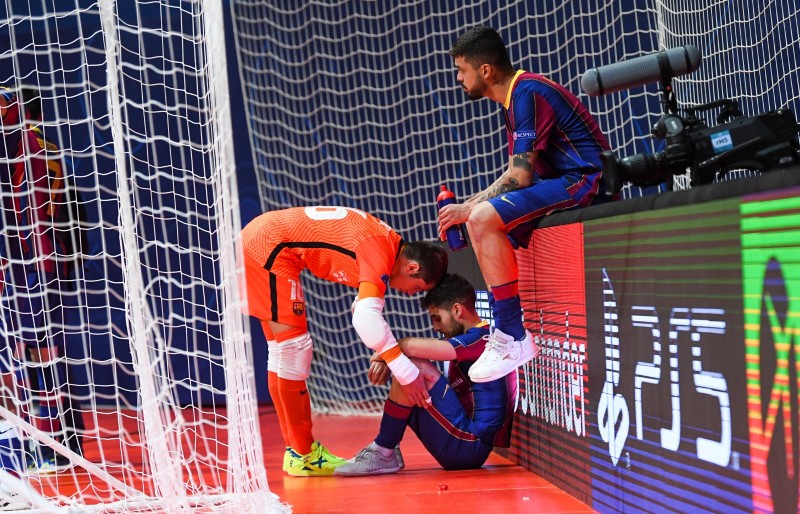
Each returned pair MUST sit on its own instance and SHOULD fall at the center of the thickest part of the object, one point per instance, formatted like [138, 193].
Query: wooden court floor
[422, 487]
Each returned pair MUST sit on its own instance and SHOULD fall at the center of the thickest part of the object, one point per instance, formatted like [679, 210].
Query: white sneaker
[10, 500]
[502, 355]
[13, 501]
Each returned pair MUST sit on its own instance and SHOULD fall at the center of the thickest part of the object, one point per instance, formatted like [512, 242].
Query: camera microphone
[641, 70]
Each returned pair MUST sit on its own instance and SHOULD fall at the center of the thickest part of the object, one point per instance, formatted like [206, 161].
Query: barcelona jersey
[545, 116]
[41, 176]
[490, 405]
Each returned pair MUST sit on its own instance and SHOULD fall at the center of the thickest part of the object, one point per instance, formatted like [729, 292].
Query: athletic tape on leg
[274, 356]
[295, 357]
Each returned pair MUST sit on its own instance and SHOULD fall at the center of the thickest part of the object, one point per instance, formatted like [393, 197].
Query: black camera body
[760, 142]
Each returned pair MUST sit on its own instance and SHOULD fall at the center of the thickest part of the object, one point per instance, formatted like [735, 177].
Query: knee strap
[295, 357]
[273, 356]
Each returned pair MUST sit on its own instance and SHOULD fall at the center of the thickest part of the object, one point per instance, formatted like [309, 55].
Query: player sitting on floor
[465, 419]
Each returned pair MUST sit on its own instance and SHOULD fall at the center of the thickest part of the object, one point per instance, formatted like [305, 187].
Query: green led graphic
[771, 279]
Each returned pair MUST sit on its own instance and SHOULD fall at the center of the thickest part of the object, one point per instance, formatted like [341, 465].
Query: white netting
[157, 358]
[355, 103]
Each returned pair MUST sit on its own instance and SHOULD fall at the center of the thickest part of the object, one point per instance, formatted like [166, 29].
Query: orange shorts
[274, 298]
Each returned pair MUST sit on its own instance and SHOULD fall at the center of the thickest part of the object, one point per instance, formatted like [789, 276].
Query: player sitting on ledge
[554, 147]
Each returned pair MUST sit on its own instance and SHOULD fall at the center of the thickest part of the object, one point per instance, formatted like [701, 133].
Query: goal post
[156, 361]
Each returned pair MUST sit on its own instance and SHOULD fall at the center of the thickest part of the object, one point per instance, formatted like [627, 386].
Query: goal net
[124, 358]
[356, 104]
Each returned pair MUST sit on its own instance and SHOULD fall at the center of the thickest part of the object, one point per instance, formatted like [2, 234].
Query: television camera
[762, 142]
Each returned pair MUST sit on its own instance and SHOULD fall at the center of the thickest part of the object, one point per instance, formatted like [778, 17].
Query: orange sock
[275, 393]
[297, 410]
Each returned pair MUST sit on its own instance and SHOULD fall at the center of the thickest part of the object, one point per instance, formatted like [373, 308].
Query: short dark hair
[450, 290]
[482, 45]
[432, 259]
[31, 102]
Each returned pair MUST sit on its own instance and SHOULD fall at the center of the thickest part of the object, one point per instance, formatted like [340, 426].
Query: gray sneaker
[400, 461]
[370, 461]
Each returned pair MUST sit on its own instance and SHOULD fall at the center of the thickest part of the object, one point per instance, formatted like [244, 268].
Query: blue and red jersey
[489, 404]
[39, 174]
[545, 116]
[9, 151]
[32, 187]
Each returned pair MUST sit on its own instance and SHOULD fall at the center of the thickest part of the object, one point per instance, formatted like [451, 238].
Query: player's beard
[475, 93]
[454, 329]
[473, 96]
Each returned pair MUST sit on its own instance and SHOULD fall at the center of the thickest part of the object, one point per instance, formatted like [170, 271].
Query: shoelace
[492, 342]
[363, 454]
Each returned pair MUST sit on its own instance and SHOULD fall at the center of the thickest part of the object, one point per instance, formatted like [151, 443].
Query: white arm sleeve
[370, 325]
[376, 334]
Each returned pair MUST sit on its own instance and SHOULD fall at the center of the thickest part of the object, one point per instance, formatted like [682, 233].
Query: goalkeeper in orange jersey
[340, 245]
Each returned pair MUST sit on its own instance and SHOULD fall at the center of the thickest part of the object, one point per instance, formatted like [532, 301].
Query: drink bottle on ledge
[457, 234]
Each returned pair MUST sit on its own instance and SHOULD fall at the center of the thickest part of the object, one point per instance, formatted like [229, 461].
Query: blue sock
[508, 316]
[23, 389]
[393, 424]
[49, 399]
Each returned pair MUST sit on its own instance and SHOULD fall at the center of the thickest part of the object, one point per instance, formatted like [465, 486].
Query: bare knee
[483, 218]
[429, 372]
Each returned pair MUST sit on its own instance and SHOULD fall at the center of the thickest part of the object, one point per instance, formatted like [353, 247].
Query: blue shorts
[13, 456]
[31, 303]
[521, 209]
[446, 431]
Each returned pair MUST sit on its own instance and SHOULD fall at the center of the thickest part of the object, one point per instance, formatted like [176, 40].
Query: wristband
[403, 369]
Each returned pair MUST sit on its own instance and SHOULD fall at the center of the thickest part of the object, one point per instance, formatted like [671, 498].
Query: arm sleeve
[376, 334]
[370, 325]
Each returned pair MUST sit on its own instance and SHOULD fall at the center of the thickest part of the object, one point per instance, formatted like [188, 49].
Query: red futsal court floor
[422, 487]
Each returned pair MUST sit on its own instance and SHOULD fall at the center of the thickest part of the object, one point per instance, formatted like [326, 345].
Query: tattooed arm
[518, 175]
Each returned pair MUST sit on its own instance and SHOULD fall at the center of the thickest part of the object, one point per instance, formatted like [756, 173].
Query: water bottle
[457, 234]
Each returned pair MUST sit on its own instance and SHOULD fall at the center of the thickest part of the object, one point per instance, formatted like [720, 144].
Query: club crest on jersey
[298, 308]
[524, 134]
